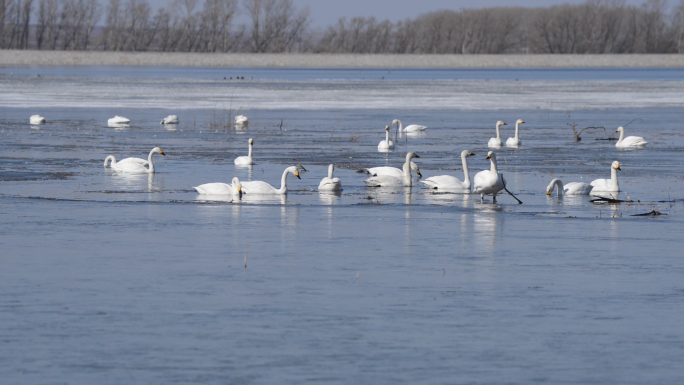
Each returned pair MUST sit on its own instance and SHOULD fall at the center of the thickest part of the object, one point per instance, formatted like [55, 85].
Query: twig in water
[246, 256]
[300, 165]
[504, 183]
[631, 121]
[652, 213]
[606, 200]
[333, 131]
[281, 125]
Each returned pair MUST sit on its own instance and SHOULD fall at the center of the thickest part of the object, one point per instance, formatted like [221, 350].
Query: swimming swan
[36, 119]
[330, 183]
[258, 187]
[386, 144]
[241, 119]
[132, 167]
[391, 171]
[409, 128]
[171, 119]
[393, 181]
[630, 141]
[235, 188]
[515, 140]
[608, 185]
[572, 188]
[496, 142]
[118, 120]
[245, 160]
[488, 181]
[448, 182]
[141, 161]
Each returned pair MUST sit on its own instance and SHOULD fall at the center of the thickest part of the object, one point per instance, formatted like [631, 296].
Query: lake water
[110, 279]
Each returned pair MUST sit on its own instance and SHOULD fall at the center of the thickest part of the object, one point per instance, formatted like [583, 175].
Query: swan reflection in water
[329, 197]
[249, 168]
[131, 181]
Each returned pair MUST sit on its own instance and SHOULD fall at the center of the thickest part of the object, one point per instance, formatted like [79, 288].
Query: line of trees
[596, 26]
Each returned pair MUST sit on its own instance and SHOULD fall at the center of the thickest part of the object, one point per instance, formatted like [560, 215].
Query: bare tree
[276, 26]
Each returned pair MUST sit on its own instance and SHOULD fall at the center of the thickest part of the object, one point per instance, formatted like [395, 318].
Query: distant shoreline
[100, 58]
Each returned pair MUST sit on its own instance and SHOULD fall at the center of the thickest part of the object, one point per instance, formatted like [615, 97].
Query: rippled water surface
[108, 278]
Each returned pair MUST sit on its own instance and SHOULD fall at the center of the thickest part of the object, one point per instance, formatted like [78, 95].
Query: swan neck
[149, 161]
[407, 172]
[330, 171]
[517, 125]
[401, 126]
[622, 135]
[498, 135]
[387, 137]
[559, 184]
[249, 155]
[283, 183]
[493, 162]
[466, 180]
[110, 157]
[613, 177]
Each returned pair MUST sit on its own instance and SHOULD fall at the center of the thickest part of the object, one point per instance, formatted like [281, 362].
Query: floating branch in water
[577, 134]
[504, 183]
[606, 200]
[652, 213]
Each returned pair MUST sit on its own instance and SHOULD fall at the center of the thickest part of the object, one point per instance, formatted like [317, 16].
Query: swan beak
[387, 128]
[503, 124]
[489, 157]
[416, 156]
[548, 193]
[419, 174]
[471, 154]
[618, 168]
[297, 174]
[162, 153]
[521, 122]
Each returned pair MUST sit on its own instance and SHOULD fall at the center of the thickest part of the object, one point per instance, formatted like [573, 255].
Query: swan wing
[384, 181]
[487, 182]
[130, 168]
[386, 171]
[512, 142]
[135, 160]
[258, 187]
[444, 182]
[494, 142]
[215, 189]
[243, 161]
[577, 188]
[414, 128]
[633, 141]
[328, 184]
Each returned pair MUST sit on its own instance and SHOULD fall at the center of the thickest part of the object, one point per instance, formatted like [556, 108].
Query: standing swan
[608, 185]
[515, 141]
[630, 141]
[133, 167]
[386, 144]
[572, 188]
[488, 181]
[235, 188]
[330, 183]
[496, 142]
[393, 181]
[448, 182]
[258, 187]
[409, 128]
[245, 160]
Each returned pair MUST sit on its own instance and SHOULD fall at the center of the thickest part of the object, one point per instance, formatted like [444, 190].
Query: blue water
[110, 279]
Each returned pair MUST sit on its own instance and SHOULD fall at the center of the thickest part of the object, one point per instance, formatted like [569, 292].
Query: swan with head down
[391, 180]
[409, 128]
[235, 188]
[134, 165]
[572, 188]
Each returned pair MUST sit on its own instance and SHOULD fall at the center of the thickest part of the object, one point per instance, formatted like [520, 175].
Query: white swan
[235, 188]
[572, 188]
[258, 187]
[409, 128]
[36, 119]
[330, 183]
[392, 171]
[630, 141]
[241, 119]
[118, 120]
[386, 144]
[515, 140]
[133, 167]
[608, 185]
[393, 181]
[171, 119]
[496, 142]
[141, 161]
[448, 182]
[245, 160]
[488, 181]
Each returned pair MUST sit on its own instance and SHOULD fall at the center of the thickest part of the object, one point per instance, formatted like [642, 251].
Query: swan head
[387, 127]
[491, 155]
[251, 141]
[619, 129]
[158, 150]
[520, 121]
[551, 186]
[465, 153]
[411, 155]
[415, 169]
[500, 123]
[616, 165]
[293, 170]
[395, 121]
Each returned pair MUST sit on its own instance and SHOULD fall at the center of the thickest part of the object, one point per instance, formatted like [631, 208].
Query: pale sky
[326, 12]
